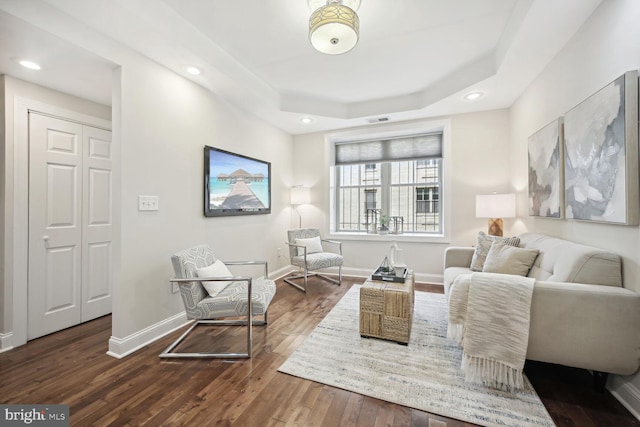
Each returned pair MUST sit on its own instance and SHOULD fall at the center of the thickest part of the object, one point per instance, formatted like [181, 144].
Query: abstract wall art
[545, 171]
[601, 155]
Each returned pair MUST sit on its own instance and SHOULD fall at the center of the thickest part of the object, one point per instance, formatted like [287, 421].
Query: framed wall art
[545, 152]
[235, 184]
[601, 155]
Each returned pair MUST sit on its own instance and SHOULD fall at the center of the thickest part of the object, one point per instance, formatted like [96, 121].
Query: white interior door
[55, 229]
[70, 201]
[97, 223]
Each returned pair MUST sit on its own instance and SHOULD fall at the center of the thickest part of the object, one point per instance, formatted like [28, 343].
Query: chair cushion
[232, 301]
[313, 245]
[319, 260]
[217, 269]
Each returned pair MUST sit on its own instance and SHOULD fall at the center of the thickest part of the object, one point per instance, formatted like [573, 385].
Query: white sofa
[581, 315]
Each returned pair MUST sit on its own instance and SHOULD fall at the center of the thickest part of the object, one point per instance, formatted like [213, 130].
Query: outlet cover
[148, 203]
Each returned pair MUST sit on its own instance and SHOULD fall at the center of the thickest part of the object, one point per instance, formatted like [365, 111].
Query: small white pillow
[507, 259]
[217, 269]
[313, 245]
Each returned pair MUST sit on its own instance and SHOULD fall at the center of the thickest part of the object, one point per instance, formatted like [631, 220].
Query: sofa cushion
[564, 261]
[484, 244]
[509, 259]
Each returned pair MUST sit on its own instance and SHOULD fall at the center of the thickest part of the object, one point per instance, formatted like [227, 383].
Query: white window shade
[427, 146]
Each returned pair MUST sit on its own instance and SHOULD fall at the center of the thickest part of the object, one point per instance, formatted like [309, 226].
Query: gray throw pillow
[509, 259]
[484, 244]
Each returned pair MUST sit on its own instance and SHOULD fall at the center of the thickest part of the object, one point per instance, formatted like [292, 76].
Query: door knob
[46, 241]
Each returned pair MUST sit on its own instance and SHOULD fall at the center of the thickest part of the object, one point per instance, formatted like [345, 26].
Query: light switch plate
[148, 203]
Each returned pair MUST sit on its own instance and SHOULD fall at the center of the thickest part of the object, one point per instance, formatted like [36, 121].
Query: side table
[386, 309]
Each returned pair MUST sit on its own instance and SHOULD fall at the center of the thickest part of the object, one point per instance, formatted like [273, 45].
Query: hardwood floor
[71, 367]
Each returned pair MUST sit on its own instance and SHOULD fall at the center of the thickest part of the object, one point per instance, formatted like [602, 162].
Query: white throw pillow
[507, 259]
[313, 245]
[484, 244]
[217, 269]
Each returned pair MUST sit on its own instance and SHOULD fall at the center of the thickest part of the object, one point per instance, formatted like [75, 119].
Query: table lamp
[495, 207]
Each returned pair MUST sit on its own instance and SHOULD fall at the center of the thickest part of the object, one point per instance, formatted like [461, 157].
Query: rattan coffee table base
[386, 309]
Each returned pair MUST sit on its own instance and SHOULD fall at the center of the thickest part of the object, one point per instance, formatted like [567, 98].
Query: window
[399, 177]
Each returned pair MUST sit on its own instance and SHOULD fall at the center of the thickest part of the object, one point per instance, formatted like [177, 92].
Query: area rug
[424, 375]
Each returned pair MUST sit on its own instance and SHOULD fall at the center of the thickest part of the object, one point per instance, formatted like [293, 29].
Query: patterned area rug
[424, 375]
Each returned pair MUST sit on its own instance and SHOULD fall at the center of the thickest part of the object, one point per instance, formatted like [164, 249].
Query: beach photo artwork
[236, 184]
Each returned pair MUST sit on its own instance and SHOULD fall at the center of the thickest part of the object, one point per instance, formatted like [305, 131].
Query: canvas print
[545, 171]
[601, 156]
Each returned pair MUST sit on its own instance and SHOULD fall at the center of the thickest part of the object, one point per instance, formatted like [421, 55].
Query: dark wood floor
[71, 367]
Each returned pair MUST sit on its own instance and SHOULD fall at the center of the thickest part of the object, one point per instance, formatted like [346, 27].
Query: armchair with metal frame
[232, 301]
[312, 257]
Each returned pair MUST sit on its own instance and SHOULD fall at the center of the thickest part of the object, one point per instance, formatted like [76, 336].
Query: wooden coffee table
[386, 309]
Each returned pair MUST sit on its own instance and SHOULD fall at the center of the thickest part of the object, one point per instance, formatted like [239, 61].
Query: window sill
[405, 237]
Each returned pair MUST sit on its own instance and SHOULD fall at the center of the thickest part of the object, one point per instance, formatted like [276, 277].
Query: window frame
[390, 131]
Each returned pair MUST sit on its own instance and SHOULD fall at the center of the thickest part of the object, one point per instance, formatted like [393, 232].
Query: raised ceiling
[415, 58]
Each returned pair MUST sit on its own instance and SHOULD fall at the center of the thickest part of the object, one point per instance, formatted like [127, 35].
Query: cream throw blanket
[489, 316]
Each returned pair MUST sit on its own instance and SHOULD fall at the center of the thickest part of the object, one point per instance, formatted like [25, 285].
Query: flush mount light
[472, 96]
[194, 71]
[28, 64]
[316, 4]
[306, 120]
[334, 27]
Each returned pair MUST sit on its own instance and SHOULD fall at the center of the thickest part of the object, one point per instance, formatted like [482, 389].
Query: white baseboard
[122, 347]
[626, 393]
[6, 342]
[420, 277]
[359, 272]
[281, 272]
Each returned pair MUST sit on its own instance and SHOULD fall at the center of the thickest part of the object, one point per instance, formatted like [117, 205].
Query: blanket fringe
[492, 373]
[455, 331]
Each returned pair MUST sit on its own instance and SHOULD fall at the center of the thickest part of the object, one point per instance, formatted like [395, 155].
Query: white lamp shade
[333, 29]
[495, 206]
[300, 195]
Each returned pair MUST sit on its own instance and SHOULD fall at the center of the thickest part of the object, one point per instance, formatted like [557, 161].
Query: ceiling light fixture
[306, 120]
[334, 26]
[473, 96]
[29, 64]
[194, 71]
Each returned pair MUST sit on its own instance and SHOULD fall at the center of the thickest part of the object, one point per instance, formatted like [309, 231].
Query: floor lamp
[300, 195]
[495, 207]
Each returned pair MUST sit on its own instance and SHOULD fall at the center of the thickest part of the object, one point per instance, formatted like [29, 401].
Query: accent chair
[306, 251]
[233, 293]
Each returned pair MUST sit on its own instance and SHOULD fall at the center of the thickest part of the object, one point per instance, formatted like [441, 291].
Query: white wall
[164, 121]
[479, 161]
[604, 48]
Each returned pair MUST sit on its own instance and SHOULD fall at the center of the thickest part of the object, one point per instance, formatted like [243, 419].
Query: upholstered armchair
[306, 250]
[210, 293]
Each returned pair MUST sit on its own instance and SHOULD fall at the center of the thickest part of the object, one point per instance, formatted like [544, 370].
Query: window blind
[415, 147]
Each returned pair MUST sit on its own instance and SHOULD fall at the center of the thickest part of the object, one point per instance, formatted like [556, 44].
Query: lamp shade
[333, 29]
[300, 195]
[495, 206]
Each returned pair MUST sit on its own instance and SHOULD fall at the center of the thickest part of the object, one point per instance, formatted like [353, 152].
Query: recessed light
[29, 64]
[306, 120]
[472, 96]
[194, 71]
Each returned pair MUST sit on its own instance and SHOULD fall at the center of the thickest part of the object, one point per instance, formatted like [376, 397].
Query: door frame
[17, 224]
